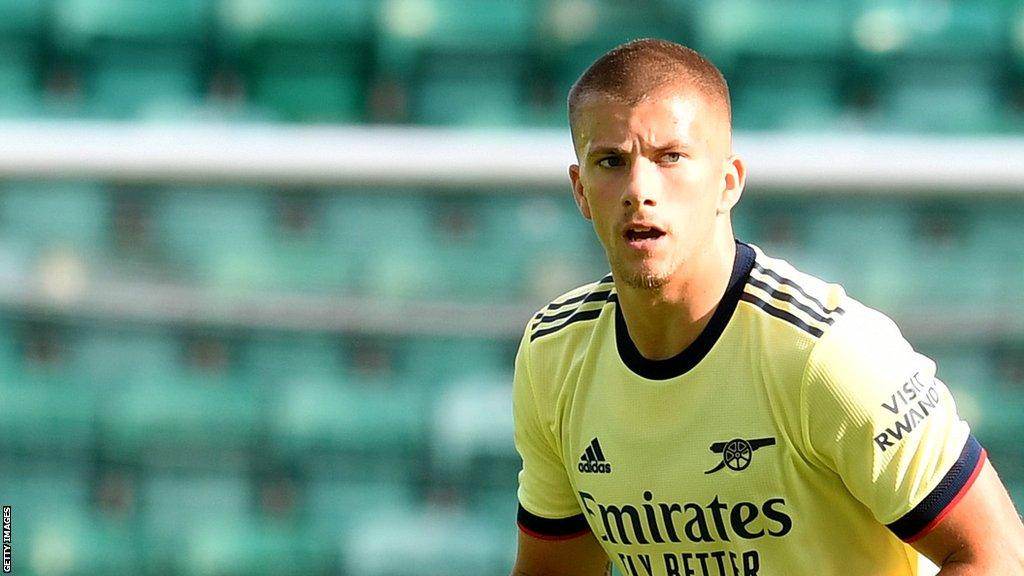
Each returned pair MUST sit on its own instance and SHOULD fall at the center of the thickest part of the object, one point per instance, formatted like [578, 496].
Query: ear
[577, 191]
[734, 178]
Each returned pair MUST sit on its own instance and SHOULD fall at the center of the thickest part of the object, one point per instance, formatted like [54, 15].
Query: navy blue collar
[685, 361]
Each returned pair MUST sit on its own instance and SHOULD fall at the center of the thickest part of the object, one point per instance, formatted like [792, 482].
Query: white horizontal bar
[446, 157]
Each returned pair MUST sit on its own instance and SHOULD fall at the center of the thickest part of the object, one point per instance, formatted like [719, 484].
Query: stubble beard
[646, 281]
[648, 278]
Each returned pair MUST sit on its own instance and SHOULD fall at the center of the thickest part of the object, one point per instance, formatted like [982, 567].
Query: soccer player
[709, 410]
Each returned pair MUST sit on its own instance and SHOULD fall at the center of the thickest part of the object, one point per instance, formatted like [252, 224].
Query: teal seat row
[960, 253]
[415, 245]
[202, 523]
[404, 245]
[423, 60]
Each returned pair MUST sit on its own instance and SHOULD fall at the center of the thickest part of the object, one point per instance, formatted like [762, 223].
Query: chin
[644, 279]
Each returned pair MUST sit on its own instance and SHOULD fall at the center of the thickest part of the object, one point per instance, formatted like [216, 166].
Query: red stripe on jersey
[949, 507]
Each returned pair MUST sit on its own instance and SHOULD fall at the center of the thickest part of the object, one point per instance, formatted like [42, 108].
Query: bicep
[982, 530]
[581, 555]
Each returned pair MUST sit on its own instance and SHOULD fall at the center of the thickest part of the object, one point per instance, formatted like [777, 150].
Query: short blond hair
[632, 71]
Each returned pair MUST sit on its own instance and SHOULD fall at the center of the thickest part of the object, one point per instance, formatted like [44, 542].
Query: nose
[641, 185]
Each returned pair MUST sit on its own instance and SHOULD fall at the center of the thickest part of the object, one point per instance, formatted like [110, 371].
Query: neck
[663, 322]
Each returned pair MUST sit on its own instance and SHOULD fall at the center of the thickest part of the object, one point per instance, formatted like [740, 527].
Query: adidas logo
[593, 461]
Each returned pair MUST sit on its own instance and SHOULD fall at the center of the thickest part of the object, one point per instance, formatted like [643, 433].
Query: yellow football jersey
[799, 434]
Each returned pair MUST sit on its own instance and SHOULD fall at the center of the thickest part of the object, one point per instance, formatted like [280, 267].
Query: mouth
[642, 235]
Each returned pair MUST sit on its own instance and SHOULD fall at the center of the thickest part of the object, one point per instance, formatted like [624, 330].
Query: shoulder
[831, 337]
[559, 333]
[555, 338]
[802, 302]
[576, 308]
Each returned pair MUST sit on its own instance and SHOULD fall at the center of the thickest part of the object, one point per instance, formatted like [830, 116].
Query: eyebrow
[605, 150]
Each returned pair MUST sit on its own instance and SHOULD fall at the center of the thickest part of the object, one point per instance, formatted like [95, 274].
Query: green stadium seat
[810, 30]
[174, 504]
[47, 415]
[951, 275]
[995, 241]
[386, 263]
[410, 29]
[973, 29]
[56, 214]
[470, 91]
[250, 24]
[253, 546]
[784, 227]
[55, 530]
[307, 267]
[787, 95]
[20, 18]
[435, 361]
[79, 541]
[309, 83]
[472, 433]
[40, 490]
[110, 354]
[333, 506]
[869, 244]
[275, 359]
[18, 79]
[141, 84]
[376, 431]
[181, 419]
[138, 57]
[11, 352]
[935, 97]
[938, 66]
[217, 234]
[436, 542]
[81, 23]
[459, 66]
[303, 61]
[554, 249]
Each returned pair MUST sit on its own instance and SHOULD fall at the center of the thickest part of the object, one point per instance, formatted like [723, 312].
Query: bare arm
[981, 536]
[579, 556]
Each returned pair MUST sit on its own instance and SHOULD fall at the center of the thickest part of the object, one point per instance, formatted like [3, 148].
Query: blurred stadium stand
[301, 364]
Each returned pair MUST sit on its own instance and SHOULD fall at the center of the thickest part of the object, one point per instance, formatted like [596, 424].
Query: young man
[709, 410]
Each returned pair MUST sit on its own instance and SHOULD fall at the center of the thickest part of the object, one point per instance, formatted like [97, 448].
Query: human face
[657, 180]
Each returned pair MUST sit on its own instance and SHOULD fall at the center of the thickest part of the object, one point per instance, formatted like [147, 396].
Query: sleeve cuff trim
[551, 528]
[940, 502]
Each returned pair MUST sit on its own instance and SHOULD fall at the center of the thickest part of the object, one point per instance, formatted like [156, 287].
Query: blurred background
[264, 264]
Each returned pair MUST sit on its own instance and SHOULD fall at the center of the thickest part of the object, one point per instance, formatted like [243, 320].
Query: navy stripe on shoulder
[582, 299]
[782, 314]
[930, 511]
[551, 528]
[785, 297]
[577, 316]
[789, 282]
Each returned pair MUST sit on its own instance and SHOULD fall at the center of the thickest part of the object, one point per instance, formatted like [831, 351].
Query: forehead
[653, 120]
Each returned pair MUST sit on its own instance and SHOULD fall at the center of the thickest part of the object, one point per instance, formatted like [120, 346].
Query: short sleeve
[874, 412]
[547, 505]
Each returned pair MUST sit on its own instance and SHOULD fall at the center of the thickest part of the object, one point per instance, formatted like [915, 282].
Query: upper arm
[580, 555]
[981, 530]
[544, 486]
[876, 415]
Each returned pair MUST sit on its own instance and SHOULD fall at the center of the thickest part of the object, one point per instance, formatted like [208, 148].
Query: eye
[610, 162]
[672, 157]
